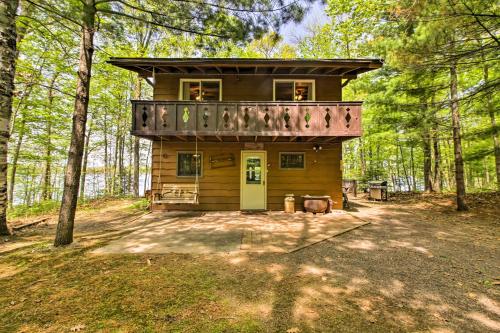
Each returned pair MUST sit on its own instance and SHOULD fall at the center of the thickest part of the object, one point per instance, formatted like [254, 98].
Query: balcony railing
[181, 118]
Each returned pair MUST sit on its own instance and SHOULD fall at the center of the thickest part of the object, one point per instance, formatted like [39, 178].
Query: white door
[253, 194]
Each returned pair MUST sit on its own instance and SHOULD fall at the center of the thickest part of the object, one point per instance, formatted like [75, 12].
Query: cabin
[241, 134]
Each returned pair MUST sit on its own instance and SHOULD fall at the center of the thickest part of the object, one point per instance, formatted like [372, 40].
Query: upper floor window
[294, 90]
[200, 90]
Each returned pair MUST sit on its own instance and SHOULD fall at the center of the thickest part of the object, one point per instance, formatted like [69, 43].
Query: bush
[141, 204]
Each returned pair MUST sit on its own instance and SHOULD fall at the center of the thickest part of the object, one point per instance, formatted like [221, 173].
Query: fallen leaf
[293, 330]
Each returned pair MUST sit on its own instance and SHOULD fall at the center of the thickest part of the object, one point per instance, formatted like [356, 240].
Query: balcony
[245, 121]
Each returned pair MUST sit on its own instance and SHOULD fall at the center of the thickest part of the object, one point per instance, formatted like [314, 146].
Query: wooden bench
[177, 194]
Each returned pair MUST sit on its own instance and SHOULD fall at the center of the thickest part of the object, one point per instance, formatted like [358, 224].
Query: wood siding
[248, 87]
[220, 187]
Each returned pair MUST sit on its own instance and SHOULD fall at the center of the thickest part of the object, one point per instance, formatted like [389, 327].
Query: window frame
[313, 92]
[292, 153]
[184, 80]
[177, 163]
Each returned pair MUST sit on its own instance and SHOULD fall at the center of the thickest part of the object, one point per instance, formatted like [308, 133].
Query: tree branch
[112, 12]
[480, 23]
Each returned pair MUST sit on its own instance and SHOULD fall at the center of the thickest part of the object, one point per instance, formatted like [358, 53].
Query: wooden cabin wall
[247, 87]
[220, 188]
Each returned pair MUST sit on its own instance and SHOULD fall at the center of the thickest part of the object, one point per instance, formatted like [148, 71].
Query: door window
[253, 170]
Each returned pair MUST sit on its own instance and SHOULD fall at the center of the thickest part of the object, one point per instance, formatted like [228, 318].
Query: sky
[292, 32]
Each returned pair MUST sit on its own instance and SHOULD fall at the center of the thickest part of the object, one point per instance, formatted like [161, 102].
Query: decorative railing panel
[246, 118]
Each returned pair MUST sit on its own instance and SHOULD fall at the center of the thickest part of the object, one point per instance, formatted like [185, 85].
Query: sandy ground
[420, 266]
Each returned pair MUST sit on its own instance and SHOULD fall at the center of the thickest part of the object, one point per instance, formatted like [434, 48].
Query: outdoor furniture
[317, 203]
[350, 186]
[177, 194]
[345, 198]
[378, 190]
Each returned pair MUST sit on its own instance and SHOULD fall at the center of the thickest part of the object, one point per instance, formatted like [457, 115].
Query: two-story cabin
[243, 133]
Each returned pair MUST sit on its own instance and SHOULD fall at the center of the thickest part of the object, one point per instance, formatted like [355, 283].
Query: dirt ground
[420, 266]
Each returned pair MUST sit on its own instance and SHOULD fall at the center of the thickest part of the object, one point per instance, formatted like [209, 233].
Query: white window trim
[182, 81]
[292, 153]
[177, 163]
[313, 93]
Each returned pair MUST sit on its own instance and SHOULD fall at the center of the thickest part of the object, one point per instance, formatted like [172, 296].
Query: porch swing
[182, 193]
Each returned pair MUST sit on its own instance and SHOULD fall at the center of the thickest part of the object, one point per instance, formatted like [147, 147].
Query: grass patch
[141, 204]
[52, 206]
[41, 208]
[114, 293]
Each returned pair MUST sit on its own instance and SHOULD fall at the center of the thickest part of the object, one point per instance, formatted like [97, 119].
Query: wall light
[317, 148]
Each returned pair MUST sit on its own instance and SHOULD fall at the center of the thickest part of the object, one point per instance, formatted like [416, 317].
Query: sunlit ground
[419, 266]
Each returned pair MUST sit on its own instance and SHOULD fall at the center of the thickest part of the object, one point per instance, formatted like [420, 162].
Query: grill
[377, 190]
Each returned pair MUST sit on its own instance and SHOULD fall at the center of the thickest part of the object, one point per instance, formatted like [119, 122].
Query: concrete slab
[215, 232]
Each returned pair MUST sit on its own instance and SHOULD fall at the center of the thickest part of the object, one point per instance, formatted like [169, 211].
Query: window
[294, 90]
[253, 170]
[200, 90]
[188, 163]
[292, 160]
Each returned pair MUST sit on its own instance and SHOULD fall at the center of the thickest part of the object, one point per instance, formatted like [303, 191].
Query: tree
[8, 37]
[235, 21]
[457, 140]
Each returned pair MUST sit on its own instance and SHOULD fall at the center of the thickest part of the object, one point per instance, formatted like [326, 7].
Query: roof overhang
[345, 68]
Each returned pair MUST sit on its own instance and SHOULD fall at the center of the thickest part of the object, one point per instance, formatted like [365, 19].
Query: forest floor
[419, 266]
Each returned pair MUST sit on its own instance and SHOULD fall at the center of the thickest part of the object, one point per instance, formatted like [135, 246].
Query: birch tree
[8, 37]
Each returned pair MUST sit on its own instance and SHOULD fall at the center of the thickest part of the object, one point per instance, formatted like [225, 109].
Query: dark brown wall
[220, 188]
[248, 87]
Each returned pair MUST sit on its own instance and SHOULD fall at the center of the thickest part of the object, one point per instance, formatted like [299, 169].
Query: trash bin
[289, 203]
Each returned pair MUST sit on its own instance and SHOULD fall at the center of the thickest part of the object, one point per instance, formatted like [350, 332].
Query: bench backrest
[179, 192]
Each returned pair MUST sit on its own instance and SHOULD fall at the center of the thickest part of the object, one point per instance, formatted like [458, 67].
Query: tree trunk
[84, 164]
[115, 164]
[15, 159]
[412, 167]
[130, 154]
[457, 140]
[397, 170]
[427, 162]
[147, 167]
[362, 159]
[137, 95]
[106, 158]
[437, 177]
[496, 141]
[46, 185]
[25, 10]
[8, 37]
[64, 233]
[121, 173]
[404, 167]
